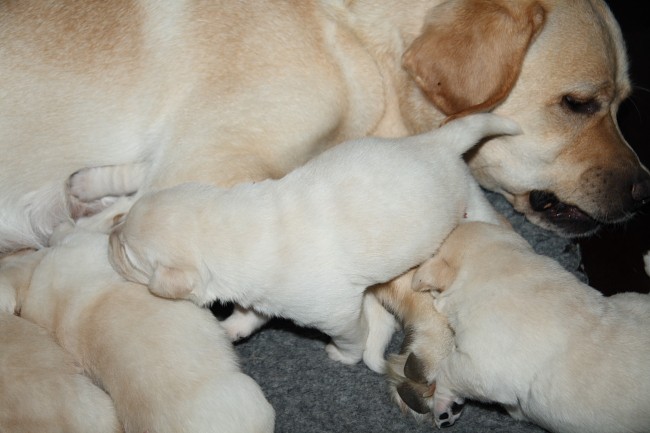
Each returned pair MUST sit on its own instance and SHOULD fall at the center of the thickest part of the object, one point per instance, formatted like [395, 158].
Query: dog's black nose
[641, 191]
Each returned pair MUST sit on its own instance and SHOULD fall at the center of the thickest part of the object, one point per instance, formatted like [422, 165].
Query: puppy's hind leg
[381, 327]
[348, 340]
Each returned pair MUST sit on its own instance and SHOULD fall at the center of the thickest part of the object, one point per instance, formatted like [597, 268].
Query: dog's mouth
[569, 219]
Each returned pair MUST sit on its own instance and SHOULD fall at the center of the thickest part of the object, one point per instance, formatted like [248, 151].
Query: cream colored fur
[306, 246]
[42, 389]
[168, 366]
[226, 92]
[530, 336]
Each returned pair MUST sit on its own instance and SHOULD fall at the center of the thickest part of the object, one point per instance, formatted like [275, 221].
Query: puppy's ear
[118, 219]
[435, 274]
[174, 283]
[470, 53]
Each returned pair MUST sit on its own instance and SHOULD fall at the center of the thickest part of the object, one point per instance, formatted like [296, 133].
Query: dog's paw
[374, 362]
[412, 395]
[234, 332]
[80, 185]
[336, 354]
[81, 209]
[242, 323]
[447, 410]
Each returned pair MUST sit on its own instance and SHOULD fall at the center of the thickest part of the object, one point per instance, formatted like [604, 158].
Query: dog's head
[559, 68]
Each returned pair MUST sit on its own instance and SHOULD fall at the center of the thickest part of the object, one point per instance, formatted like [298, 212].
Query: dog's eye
[580, 106]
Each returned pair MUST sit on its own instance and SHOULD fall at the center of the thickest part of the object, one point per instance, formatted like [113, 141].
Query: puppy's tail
[465, 132]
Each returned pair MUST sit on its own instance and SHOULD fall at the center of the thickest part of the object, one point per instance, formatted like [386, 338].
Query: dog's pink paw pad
[450, 415]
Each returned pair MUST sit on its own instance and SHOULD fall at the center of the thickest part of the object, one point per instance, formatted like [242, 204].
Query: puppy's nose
[641, 191]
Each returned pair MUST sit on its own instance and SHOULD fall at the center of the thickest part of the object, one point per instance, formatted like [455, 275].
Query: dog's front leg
[428, 341]
[93, 189]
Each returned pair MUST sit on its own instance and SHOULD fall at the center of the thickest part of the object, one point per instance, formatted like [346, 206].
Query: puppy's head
[560, 70]
[468, 246]
[141, 244]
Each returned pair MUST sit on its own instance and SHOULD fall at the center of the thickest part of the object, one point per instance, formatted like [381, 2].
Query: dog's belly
[106, 93]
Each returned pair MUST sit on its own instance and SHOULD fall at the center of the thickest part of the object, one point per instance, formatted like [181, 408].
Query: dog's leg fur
[93, 183]
[414, 370]
[93, 189]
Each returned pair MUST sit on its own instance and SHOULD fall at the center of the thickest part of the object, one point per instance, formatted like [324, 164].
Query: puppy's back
[42, 390]
[167, 365]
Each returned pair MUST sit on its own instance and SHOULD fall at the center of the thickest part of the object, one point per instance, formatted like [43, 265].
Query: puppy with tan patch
[168, 366]
[530, 336]
[258, 87]
[306, 246]
[42, 389]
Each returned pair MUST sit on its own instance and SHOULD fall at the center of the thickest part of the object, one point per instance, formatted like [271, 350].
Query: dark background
[613, 259]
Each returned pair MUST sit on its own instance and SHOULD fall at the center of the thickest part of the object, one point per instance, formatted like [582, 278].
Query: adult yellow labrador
[157, 93]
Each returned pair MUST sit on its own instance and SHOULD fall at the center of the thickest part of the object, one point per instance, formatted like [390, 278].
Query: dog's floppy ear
[470, 52]
[174, 283]
[435, 274]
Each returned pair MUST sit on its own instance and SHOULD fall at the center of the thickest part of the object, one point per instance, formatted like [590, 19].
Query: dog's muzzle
[570, 219]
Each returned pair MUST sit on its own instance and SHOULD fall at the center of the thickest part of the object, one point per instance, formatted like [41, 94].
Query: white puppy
[305, 247]
[168, 366]
[530, 336]
[42, 389]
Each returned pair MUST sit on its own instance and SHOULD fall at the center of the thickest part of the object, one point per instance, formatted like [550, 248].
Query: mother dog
[225, 92]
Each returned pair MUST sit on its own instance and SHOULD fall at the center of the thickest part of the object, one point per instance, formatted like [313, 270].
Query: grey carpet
[311, 393]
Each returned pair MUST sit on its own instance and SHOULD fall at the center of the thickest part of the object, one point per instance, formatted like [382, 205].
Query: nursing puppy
[168, 366]
[42, 389]
[530, 336]
[306, 246]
